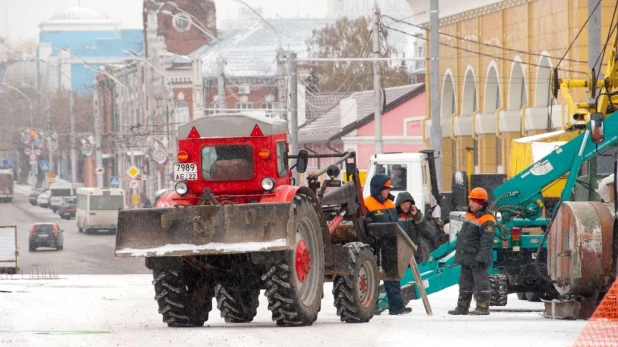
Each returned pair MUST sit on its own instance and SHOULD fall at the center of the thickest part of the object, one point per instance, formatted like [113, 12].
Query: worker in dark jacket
[381, 209]
[473, 252]
[411, 220]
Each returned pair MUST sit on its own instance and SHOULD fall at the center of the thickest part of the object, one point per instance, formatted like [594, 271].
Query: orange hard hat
[478, 193]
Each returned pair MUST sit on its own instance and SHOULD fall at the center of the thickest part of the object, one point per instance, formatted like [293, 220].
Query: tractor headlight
[268, 183]
[181, 188]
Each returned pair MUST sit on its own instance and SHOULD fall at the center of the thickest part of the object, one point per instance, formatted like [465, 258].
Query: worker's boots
[482, 304]
[463, 305]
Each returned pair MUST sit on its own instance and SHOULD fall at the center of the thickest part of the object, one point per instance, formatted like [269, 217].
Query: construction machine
[574, 260]
[236, 224]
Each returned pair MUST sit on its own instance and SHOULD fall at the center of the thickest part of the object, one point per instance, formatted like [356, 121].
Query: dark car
[45, 235]
[67, 208]
[33, 195]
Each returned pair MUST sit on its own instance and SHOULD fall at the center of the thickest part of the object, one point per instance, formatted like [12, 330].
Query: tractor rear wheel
[356, 295]
[499, 290]
[295, 285]
[237, 305]
[184, 295]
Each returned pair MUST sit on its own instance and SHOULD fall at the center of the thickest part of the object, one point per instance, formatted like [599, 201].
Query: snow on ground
[120, 310]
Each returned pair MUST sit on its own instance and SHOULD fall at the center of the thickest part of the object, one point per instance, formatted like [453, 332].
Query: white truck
[411, 172]
[414, 173]
[8, 249]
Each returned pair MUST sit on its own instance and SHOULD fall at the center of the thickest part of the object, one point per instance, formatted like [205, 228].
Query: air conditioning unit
[244, 90]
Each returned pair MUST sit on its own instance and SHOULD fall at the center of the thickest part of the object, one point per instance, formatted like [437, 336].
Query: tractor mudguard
[201, 230]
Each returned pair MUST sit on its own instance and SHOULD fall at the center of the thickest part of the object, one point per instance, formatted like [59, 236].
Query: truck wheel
[356, 295]
[499, 290]
[534, 297]
[237, 305]
[184, 296]
[429, 240]
[295, 285]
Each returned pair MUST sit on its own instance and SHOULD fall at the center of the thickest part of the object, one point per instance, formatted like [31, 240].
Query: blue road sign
[114, 182]
[44, 165]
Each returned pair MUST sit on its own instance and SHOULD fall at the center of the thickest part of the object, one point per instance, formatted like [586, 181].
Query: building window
[244, 106]
[269, 107]
[181, 112]
[214, 107]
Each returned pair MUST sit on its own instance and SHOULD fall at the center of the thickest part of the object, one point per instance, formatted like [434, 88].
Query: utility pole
[281, 87]
[377, 82]
[221, 84]
[73, 144]
[434, 86]
[594, 51]
[97, 134]
[293, 109]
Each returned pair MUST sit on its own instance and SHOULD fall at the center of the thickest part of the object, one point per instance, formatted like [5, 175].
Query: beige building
[495, 67]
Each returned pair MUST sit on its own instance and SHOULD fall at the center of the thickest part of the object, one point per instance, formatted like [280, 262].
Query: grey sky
[19, 19]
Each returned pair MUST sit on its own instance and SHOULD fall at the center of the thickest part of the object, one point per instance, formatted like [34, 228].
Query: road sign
[133, 171]
[99, 170]
[37, 151]
[134, 184]
[32, 156]
[44, 165]
[159, 155]
[114, 182]
[27, 151]
[87, 149]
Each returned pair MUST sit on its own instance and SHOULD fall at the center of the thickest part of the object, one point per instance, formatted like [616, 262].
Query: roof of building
[252, 51]
[81, 14]
[318, 104]
[328, 126]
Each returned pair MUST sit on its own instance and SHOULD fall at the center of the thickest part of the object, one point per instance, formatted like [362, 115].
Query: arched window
[541, 91]
[517, 88]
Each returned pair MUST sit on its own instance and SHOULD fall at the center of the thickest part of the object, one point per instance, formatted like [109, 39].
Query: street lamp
[73, 150]
[49, 140]
[32, 175]
[167, 98]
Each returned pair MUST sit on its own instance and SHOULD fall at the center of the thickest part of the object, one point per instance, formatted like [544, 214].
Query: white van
[97, 209]
[60, 190]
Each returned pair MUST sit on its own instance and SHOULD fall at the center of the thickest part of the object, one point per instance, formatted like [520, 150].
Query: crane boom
[521, 195]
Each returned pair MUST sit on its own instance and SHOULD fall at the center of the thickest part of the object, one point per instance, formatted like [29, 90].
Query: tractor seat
[231, 170]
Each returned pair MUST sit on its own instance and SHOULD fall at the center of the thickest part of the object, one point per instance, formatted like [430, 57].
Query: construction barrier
[602, 327]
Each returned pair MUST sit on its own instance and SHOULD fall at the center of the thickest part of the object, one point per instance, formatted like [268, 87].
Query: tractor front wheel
[356, 295]
[294, 286]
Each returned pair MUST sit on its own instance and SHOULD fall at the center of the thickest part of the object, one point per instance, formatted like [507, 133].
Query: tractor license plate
[185, 172]
[43, 235]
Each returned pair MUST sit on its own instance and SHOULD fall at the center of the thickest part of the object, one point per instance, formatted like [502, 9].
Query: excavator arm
[521, 196]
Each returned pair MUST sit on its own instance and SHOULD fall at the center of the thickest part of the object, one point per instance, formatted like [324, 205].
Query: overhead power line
[461, 38]
[477, 52]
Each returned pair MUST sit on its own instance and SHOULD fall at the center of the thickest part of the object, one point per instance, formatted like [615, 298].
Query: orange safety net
[602, 327]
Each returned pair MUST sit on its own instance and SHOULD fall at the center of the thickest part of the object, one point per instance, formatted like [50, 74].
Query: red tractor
[236, 224]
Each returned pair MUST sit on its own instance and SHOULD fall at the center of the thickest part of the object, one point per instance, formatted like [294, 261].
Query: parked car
[33, 196]
[43, 199]
[45, 235]
[67, 208]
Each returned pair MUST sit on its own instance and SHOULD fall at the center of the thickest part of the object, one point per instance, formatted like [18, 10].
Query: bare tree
[350, 38]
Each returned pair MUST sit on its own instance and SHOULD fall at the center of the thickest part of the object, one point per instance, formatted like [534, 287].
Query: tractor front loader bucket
[201, 230]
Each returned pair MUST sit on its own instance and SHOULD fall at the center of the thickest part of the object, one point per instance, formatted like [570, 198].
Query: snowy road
[119, 310]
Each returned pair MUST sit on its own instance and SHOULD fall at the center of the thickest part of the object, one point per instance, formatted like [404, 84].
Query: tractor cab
[236, 158]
